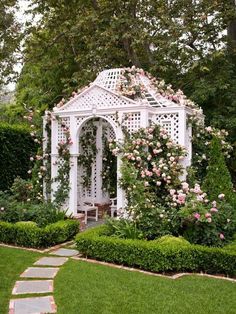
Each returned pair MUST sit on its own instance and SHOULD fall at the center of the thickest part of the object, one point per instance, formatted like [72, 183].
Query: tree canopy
[10, 36]
[76, 39]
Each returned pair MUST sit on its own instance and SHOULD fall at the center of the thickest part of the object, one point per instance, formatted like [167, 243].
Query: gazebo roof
[127, 86]
[112, 79]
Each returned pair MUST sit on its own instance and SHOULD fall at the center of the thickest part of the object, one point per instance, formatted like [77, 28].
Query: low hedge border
[172, 255]
[28, 234]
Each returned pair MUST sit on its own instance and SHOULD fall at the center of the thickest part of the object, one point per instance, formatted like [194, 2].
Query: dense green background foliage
[16, 148]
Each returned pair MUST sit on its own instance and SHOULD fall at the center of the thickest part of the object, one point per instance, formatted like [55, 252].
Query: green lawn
[85, 288]
[12, 263]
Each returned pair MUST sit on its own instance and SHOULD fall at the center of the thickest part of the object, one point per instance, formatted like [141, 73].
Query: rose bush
[158, 203]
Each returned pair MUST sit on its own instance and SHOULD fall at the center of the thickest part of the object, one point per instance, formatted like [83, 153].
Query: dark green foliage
[217, 180]
[158, 255]
[28, 234]
[60, 231]
[150, 224]
[123, 228]
[7, 232]
[158, 222]
[16, 147]
[43, 213]
[211, 228]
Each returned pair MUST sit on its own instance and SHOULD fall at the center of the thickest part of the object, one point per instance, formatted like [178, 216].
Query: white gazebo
[103, 103]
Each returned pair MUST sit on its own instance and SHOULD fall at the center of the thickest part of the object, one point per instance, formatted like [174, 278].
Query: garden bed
[167, 254]
[28, 234]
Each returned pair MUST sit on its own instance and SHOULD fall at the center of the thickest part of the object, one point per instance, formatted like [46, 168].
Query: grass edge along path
[12, 263]
[81, 287]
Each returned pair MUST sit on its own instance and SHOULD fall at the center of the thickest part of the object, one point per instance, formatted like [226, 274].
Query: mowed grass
[12, 263]
[81, 287]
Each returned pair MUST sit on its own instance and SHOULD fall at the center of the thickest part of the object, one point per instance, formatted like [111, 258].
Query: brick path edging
[51, 248]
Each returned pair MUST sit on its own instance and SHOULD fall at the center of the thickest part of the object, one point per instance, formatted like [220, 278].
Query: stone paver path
[51, 261]
[65, 252]
[38, 305]
[40, 272]
[33, 286]
[44, 268]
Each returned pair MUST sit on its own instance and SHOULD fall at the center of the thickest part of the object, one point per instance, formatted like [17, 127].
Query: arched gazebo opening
[97, 166]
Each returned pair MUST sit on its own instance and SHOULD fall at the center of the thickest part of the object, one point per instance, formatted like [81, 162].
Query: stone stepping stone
[38, 305]
[51, 261]
[65, 252]
[40, 272]
[33, 286]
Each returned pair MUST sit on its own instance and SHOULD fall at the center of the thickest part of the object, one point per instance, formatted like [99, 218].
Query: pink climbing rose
[222, 236]
[197, 216]
[214, 210]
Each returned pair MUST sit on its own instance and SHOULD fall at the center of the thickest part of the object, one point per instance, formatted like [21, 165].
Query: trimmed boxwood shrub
[167, 254]
[17, 146]
[28, 234]
[60, 231]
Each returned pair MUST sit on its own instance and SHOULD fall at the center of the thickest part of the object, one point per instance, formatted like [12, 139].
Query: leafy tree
[10, 37]
[76, 39]
[218, 180]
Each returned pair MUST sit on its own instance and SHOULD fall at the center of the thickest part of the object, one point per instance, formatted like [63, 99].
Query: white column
[120, 192]
[143, 118]
[45, 143]
[182, 139]
[98, 162]
[73, 168]
[73, 186]
[54, 156]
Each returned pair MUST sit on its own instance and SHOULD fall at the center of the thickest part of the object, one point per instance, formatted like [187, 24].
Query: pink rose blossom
[200, 198]
[222, 236]
[207, 215]
[197, 216]
[185, 186]
[181, 198]
[213, 204]
[214, 210]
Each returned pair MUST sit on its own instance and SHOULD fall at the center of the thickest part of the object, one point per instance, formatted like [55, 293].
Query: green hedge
[28, 234]
[168, 254]
[16, 148]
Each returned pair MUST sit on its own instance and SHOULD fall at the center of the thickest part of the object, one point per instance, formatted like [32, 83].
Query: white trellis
[101, 100]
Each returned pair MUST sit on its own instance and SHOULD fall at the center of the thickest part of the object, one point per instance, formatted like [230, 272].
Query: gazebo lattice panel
[132, 121]
[170, 122]
[60, 133]
[103, 103]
